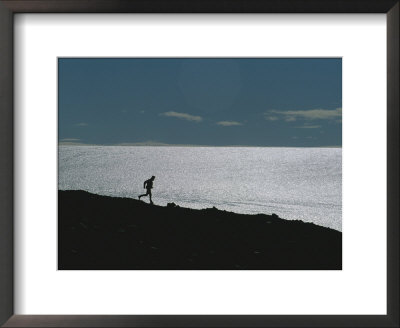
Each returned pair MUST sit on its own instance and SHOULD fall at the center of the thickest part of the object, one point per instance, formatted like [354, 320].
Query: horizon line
[159, 144]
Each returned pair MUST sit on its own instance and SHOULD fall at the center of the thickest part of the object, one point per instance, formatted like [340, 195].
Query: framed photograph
[144, 198]
[202, 164]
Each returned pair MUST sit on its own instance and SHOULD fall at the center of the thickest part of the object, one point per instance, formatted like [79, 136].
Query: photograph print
[199, 163]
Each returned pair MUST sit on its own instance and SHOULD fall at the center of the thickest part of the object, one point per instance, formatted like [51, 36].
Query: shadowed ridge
[100, 232]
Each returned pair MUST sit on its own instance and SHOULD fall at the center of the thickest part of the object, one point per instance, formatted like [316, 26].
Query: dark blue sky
[254, 102]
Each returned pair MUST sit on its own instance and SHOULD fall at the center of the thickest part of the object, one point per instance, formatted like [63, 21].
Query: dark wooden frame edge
[10, 7]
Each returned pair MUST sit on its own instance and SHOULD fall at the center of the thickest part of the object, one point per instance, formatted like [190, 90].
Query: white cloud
[70, 142]
[69, 139]
[308, 127]
[311, 114]
[81, 124]
[229, 123]
[183, 116]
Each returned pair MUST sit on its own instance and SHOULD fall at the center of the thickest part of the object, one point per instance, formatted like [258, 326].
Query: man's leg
[144, 195]
[149, 192]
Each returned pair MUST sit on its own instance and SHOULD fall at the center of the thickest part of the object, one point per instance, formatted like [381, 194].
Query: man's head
[153, 177]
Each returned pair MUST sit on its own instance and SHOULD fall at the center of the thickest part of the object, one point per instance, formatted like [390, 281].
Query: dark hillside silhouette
[99, 232]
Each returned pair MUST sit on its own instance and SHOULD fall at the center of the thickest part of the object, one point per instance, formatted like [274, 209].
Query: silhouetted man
[148, 185]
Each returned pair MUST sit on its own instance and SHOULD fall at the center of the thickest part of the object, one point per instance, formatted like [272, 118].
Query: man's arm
[144, 184]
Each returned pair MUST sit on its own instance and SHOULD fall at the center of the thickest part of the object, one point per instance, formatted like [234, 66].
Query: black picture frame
[10, 7]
